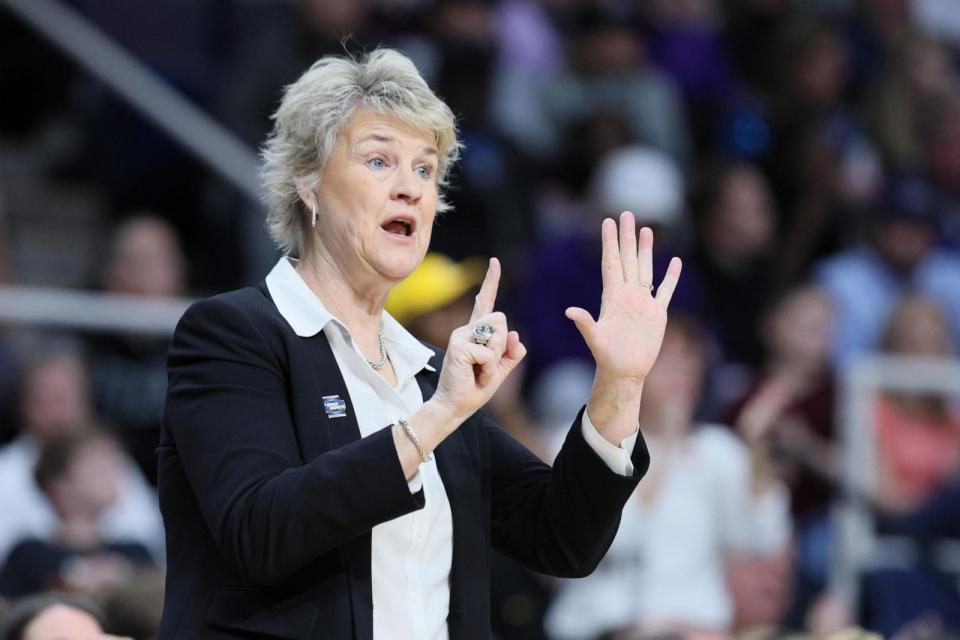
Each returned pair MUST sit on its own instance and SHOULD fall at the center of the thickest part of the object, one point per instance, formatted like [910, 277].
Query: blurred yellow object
[854, 633]
[437, 282]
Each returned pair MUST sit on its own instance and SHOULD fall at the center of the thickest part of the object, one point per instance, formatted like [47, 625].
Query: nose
[408, 186]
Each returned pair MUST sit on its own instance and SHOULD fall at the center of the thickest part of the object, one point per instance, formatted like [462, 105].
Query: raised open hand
[626, 338]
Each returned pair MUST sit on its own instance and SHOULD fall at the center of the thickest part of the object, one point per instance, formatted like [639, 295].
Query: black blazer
[268, 503]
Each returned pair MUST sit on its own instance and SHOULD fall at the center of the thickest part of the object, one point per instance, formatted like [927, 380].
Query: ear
[306, 193]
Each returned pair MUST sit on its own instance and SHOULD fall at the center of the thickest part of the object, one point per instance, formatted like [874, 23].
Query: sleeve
[617, 458]
[269, 511]
[558, 521]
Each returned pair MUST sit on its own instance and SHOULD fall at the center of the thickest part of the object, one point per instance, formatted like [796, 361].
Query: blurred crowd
[801, 156]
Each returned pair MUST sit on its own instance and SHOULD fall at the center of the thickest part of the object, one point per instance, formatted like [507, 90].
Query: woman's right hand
[472, 373]
[470, 376]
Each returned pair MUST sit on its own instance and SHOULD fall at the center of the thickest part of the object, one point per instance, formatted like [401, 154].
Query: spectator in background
[872, 32]
[610, 73]
[689, 44]
[917, 481]
[822, 168]
[55, 400]
[917, 74]
[530, 47]
[53, 616]
[564, 271]
[80, 474]
[941, 145]
[491, 181]
[917, 435]
[135, 606]
[791, 406]
[129, 371]
[8, 361]
[707, 496]
[295, 33]
[865, 282]
[733, 260]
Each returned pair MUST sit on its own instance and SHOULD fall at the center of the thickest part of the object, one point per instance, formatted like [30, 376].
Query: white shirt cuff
[617, 458]
[415, 483]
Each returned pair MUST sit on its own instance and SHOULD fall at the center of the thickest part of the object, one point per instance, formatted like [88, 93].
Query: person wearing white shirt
[55, 398]
[322, 473]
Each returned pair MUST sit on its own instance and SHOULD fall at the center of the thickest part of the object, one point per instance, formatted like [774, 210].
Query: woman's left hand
[625, 339]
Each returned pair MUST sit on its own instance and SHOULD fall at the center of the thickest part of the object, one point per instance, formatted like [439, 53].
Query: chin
[400, 269]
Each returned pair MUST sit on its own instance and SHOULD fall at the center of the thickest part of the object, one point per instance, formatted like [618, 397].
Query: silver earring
[313, 220]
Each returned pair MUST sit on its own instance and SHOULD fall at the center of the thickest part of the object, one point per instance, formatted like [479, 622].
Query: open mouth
[399, 226]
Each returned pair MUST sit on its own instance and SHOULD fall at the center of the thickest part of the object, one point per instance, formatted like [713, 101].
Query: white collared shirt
[410, 555]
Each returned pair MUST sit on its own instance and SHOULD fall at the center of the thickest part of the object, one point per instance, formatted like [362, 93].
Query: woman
[917, 435]
[322, 473]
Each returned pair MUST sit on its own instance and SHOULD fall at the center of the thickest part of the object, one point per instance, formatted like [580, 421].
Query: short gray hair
[319, 105]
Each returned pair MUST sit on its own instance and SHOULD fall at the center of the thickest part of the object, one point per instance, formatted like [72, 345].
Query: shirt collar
[307, 316]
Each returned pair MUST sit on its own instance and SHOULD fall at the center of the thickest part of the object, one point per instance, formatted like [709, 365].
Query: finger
[488, 291]
[585, 323]
[669, 283]
[628, 247]
[515, 352]
[645, 256]
[484, 361]
[610, 266]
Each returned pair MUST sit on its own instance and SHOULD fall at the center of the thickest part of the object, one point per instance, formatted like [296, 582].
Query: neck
[802, 372]
[357, 305]
[79, 532]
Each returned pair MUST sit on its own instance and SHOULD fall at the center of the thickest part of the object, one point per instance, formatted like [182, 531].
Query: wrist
[434, 421]
[614, 406]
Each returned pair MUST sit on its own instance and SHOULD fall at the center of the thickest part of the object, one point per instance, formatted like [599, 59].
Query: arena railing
[857, 547]
[144, 90]
[54, 308]
[161, 104]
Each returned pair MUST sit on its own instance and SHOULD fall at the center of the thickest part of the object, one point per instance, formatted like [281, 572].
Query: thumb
[584, 322]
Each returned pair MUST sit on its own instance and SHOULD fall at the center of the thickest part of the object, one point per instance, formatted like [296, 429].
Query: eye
[425, 171]
[377, 163]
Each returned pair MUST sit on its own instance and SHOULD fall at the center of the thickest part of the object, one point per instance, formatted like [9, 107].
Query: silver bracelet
[407, 429]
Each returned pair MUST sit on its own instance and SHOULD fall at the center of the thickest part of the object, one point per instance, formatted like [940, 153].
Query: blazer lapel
[334, 427]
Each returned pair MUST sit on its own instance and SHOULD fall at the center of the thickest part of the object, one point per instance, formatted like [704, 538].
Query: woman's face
[377, 199]
[801, 327]
[742, 220]
[921, 330]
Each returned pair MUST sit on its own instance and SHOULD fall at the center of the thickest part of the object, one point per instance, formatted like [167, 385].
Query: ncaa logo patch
[335, 406]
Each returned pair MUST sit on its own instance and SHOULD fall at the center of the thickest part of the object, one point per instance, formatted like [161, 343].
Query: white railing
[856, 544]
[89, 311]
[191, 127]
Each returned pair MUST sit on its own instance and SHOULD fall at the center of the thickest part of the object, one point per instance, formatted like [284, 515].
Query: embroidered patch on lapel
[335, 407]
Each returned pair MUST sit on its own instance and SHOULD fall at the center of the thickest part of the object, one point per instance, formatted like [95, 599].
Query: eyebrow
[379, 137]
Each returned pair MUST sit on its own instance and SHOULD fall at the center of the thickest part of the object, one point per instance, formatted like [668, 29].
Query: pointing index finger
[488, 291]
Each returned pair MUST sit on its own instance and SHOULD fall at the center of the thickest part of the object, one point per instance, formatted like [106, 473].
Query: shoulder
[944, 262]
[250, 302]
[851, 263]
[230, 325]
[31, 550]
[243, 310]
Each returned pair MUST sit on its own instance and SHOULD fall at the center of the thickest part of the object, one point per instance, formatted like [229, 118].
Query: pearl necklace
[383, 353]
